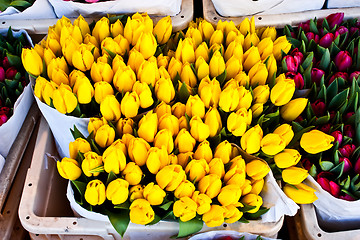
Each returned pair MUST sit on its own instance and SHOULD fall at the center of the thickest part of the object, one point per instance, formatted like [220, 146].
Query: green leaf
[294, 42]
[4, 4]
[14, 60]
[358, 57]
[119, 221]
[243, 220]
[307, 76]
[325, 24]
[313, 171]
[112, 54]
[20, 3]
[124, 205]
[221, 78]
[296, 127]
[326, 165]
[325, 60]
[254, 216]
[76, 133]
[347, 183]
[312, 46]
[80, 187]
[322, 120]
[322, 93]
[246, 208]
[338, 169]
[12, 84]
[338, 100]
[308, 60]
[287, 31]
[157, 219]
[111, 177]
[336, 157]
[192, 226]
[167, 205]
[334, 49]
[183, 93]
[304, 38]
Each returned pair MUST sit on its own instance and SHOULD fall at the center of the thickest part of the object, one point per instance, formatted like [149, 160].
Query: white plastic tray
[45, 212]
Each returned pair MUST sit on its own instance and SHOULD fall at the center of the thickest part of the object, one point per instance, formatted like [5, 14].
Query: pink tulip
[338, 136]
[357, 166]
[305, 26]
[343, 75]
[3, 119]
[326, 40]
[343, 61]
[10, 73]
[347, 164]
[335, 19]
[347, 150]
[291, 64]
[311, 35]
[2, 74]
[316, 75]
[298, 56]
[354, 75]
[347, 197]
[298, 79]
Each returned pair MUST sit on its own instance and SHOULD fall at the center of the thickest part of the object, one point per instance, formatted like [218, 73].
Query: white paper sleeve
[41, 9]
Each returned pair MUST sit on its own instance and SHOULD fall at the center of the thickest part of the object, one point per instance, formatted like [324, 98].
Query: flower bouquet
[26, 9]
[330, 151]
[15, 93]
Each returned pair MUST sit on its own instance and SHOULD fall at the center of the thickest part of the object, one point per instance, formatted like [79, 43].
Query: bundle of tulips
[325, 58]
[12, 73]
[183, 88]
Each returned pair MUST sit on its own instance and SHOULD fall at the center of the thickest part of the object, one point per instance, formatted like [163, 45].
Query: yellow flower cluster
[196, 176]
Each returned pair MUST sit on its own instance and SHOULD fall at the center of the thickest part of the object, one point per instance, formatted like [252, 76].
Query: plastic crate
[307, 221]
[13, 177]
[41, 26]
[278, 20]
[45, 212]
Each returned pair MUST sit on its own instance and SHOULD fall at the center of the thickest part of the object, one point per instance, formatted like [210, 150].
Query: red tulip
[10, 73]
[305, 26]
[324, 183]
[354, 75]
[311, 35]
[335, 19]
[349, 131]
[343, 61]
[326, 40]
[334, 189]
[2, 74]
[5, 63]
[347, 197]
[298, 56]
[4, 111]
[291, 63]
[357, 166]
[347, 150]
[298, 79]
[316, 75]
[325, 128]
[318, 108]
[347, 164]
[3, 119]
[307, 164]
[343, 75]
[338, 136]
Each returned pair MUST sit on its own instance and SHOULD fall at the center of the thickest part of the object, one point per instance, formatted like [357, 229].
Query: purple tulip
[298, 56]
[326, 40]
[10, 72]
[298, 79]
[291, 64]
[353, 30]
[357, 166]
[354, 75]
[5, 63]
[307, 164]
[318, 108]
[343, 61]
[347, 197]
[342, 30]
[316, 75]
[343, 75]
[349, 131]
[338, 136]
[335, 19]
[347, 164]
[311, 35]
[2, 74]
[305, 26]
[347, 150]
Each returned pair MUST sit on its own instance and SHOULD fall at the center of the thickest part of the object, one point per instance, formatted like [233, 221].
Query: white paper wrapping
[2, 162]
[343, 3]
[335, 213]
[273, 198]
[10, 129]
[73, 9]
[236, 8]
[217, 234]
[41, 9]
[60, 125]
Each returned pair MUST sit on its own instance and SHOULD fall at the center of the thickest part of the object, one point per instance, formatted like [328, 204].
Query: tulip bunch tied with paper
[110, 69]
[157, 169]
[12, 73]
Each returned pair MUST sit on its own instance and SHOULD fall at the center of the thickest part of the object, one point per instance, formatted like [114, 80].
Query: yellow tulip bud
[271, 66]
[124, 79]
[245, 26]
[210, 185]
[185, 189]
[197, 169]
[250, 141]
[203, 202]
[293, 109]
[148, 73]
[175, 67]
[234, 50]
[135, 25]
[203, 51]
[245, 98]
[199, 130]
[79, 145]
[234, 36]
[286, 132]
[184, 141]
[162, 109]
[269, 32]
[114, 159]
[301, 193]
[105, 136]
[170, 177]
[195, 35]
[164, 90]
[69, 47]
[48, 56]
[146, 44]
[91, 161]
[217, 64]
[70, 31]
[163, 61]
[232, 214]
[178, 109]
[117, 28]
[163, 29]
[206, 29]
[287, 158]
[229, 99]
[261, 94]
[135, 60]
[82, 58]
[91, 39]
[233, 67]
[183, 123]
[84, 90]
[229, 194]
[141, 212]
[237, 172]
[246, 188]
[216, 166]
[223, 151]
[215, 216]
[53, 43]
[238, 121]
[169, 122]
[44, 89]
[110, 108]
[68, 168]
[148, 126]
[250, 40]
[124, 125]
[188, 76]
[202, 68]
[101, 71]
[258, 74]
[217, 37]
[257, 109]
[154, 194]
[157, 158]
[257, 169]
[282, 92]
[294, 175]
[102, 89]
[184, 158]
[213, 120]
[281, 44]
[251, 57]
[316, 141]
[32, 62]
[95, 124]
[95, 193]
[132, 173]
[83, 25]
[257, 186]
[137, 150]
[58, 65]
[130, 104]
[101, 29]
[136, 192]
[144, 93]
[117, 191]
[252, 200]
[164, 138]
[242, 79]
[64, 100]
[195, 107]
[272, 144]
[185, 209]
[74, 76]
[204, 151]
[265, 47]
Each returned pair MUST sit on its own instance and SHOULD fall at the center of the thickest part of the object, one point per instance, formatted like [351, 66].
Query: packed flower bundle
[157, 170]
[170, 105]
[325, 59]
[12, 73]
[20, 5]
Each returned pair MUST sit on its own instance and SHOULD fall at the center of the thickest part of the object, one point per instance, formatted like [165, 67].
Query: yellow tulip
[287, 158]
[282, 92]
[198, 129]
[229, 99]
[229, 194]
[236, 174]
[79, 145]
[250, 141]
[290, 111]
[135, 25]
[232, 214]
[174, 68]
[91, 39]
[197, 169]
[110, 108]
[117, 191]
[117, 28]
[185, 189]
[203, 202]
[157, 159]
[148, 72]
[124, 79]
[247, 25]
[261, 94]
[234, 36]
[242, 79]
[91, 161]
[217, 64]
[233, 67]
[286, 132]
[169, 122]
[82, 58]
[245, 98]
[272, 144]
[32, 62]
[53, 42]
[95, 193]
[141, 212]
[48, 56]
[68, 168]
[257, 169]
[101, 71]
[163, 29]
[316, 141]
[101, 29]
[213, 120]
[210, 185]
[216, 166]
[144, 93]
[135, 60]
[184, 158]
[269, 32]
[132, 173]
[204, 151]
[238, 121]
[164, 90]
[154, 194]
[247, 188]
[215, 216]
[300, 193]
[184, 141]
[271, 66]
[185, 209]
[217, 37]
[68, 49]
[84, 90]
[258, 74]
[124, 125]
[223, 151]
[70, 31]
[203, 51]
[195, 107]
[281, 44]
[148, 126]
[202, 68]
[178, 109]
[294, 175]
[170, 177]
[234, 50]
[105, 136]
[136, 192]
[130, 104]
[114, 159]
[95, 123]
[265, 47]
[250, 40]
[123, 43]
[102, 89]
[206, 29]
[195, 35]
[253, 200]
[64, 100]
[162, 109]
[146, 44]
[183, 123]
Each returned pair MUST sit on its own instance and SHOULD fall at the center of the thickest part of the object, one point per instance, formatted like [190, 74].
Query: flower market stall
[155, 124]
